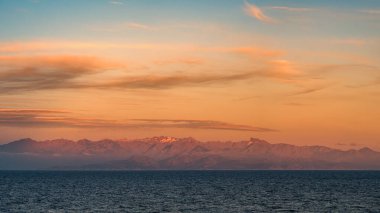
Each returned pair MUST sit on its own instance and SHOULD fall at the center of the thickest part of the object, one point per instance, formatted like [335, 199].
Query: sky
[287, 71]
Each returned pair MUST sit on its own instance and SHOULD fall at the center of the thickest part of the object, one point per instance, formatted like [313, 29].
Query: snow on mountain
[179, 153]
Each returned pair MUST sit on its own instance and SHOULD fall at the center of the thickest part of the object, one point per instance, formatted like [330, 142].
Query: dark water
[190, 191]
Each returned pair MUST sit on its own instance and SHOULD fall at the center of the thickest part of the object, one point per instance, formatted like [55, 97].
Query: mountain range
[169, 153]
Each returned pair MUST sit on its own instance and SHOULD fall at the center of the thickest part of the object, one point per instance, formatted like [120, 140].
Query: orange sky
[273, 70]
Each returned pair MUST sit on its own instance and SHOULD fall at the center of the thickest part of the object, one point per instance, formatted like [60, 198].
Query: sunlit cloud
[62, 72]
[283, 69]
[201, 124]
[254, 11]
[43, 46]
[57, 45]
[35, 46]
[173, 80]
[57, 118]
[52, 46]
[20, 74]
[46, 72]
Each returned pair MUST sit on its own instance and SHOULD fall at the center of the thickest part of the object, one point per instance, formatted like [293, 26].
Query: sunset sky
[287, 71]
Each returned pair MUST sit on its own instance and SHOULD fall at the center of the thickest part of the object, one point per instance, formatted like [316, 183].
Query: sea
[189, 191]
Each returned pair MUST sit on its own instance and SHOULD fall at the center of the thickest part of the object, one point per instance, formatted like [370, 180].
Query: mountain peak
[165, 139]
[25, 140]
[366, 150]
[257, 141]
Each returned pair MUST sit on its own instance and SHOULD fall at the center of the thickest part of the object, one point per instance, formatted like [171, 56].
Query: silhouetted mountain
[178, 153]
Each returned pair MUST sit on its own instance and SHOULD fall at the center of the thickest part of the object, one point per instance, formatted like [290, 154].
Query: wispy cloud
[46, 72]
[254, 11]
[38, 46]
[308, 90]
[293, 9]
[50, 46]
[176, 80]
[201, 124]
[30, 117]
[57, 118]
[119, 27]
[115, 2]
[20, 74]
[124, 26]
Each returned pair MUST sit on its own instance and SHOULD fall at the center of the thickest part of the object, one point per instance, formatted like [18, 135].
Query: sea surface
[189, 191]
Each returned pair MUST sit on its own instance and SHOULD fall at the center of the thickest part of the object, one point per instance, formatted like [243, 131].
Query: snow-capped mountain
[178, 153]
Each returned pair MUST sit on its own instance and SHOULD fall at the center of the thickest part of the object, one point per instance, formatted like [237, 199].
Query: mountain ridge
[179, 153]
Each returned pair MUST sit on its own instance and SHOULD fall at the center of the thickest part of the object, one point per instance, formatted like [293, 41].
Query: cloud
[58, 118]
[116, 2]
[115, 27]
[282, 70]
[19, 74]
[22, 74]
[292, 9]
[201, 124]
[51, 46]
[308, 90]
[64, 45]
[34, 46]
[46, 72]
[174, 80]
[119, 27]
[254, 11]
[30, 117]
[134, 25]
